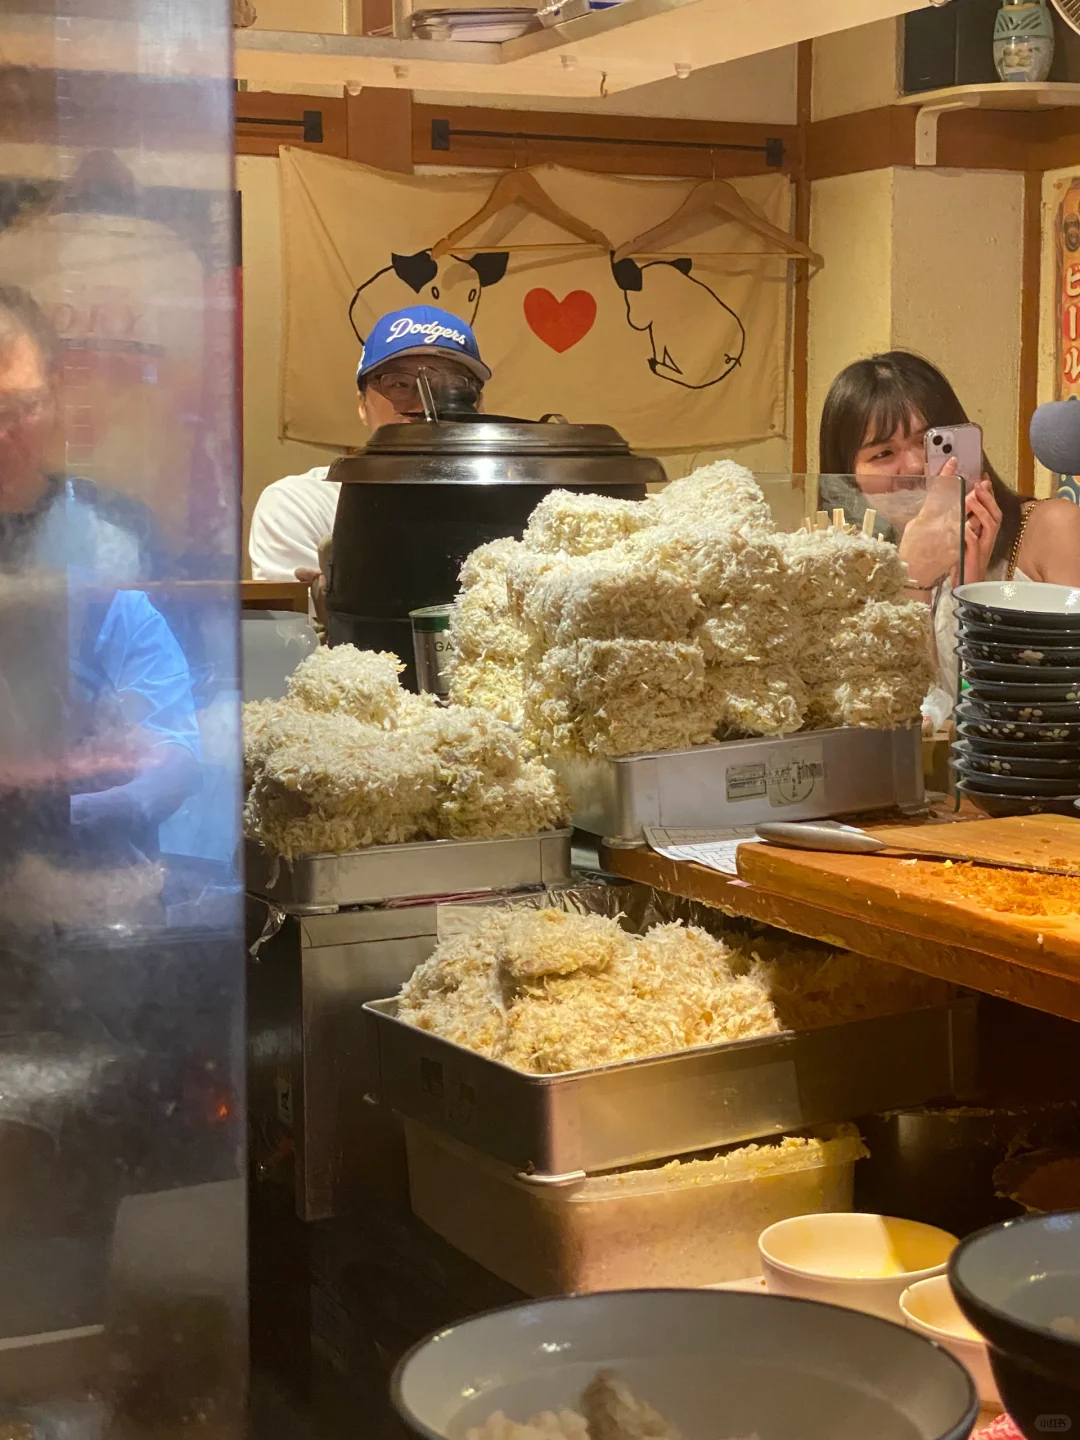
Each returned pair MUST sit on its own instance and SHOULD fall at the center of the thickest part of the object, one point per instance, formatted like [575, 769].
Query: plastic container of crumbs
[685, 1223]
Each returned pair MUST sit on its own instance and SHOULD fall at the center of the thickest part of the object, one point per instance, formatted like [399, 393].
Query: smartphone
[964, 442]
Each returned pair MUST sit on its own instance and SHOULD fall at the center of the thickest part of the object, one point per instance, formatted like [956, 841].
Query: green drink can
[432, 647]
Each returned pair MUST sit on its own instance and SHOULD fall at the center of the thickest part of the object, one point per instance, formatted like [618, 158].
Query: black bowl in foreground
[713, 1363]
[1019, 1285]
[999, 805]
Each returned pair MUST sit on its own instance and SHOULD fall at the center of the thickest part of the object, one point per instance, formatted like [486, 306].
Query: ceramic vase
[1023, 40]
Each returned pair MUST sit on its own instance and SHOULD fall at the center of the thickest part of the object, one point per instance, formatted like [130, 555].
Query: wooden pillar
[379, 122]
[378, 127]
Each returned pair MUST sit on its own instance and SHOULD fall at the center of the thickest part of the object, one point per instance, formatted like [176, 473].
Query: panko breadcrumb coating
[482, 627]
[486, 562]
[360, 683]
[755, 699]
[486, 787]
[608, 597]
[834, 570]
[617, 697]
[611, 997]
[550, 1425]
[579, 524]
[489, 644]
[321, 781]
[722, 493]
[721, 565]
[497, 688]
[372, 787]
[550, 991]
[613, 1412]
[813, 987]
[700, 573]
[747, 635]
[871, 699]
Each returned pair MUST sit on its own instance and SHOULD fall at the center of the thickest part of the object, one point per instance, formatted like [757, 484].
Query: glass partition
[122, 1225]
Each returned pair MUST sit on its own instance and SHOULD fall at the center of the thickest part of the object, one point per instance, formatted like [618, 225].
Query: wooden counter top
[887, 909]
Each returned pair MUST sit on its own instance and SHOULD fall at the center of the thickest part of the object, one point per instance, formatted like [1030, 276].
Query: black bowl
[1000, 806]
[1034, 674]
[994, 783]
[1012, 1282]
[988, 721]
[1020, 603]
[1020, 635]
[1020, 652]
[1036, 691]
[1016, 765]
[1041, 712]
[1034, 749]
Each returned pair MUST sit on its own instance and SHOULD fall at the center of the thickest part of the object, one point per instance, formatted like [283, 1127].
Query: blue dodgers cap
[421, 330]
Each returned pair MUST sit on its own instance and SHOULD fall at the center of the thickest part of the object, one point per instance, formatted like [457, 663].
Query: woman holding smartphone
[874, 425]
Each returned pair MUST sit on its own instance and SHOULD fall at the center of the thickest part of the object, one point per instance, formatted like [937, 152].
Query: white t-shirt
[292, 517]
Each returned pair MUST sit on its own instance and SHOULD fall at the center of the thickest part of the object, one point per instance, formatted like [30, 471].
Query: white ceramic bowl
[713, 1363]
[930, 1307]
[864, 1262]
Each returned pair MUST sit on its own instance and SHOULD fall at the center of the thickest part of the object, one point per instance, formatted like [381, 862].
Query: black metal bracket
[442, 133]
[311, 122]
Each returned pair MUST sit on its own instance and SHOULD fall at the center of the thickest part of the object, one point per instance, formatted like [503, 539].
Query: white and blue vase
[1023, 40]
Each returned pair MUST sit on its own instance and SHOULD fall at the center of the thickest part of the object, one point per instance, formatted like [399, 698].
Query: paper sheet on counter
[715, 849]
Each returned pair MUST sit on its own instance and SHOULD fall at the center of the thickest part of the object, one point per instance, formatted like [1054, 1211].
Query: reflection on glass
[122, 1262]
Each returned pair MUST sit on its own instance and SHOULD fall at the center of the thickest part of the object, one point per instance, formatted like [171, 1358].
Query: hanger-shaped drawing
[711, 198]
[521, 187]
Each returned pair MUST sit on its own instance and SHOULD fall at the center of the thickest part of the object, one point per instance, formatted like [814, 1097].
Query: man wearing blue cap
[294, 517]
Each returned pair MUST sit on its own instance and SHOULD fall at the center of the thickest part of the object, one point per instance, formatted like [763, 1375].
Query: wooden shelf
[805, 895]
[932, 104]
[631, 44]
[273, 595]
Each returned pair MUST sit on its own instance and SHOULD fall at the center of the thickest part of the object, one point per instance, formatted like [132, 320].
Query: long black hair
[871, 399]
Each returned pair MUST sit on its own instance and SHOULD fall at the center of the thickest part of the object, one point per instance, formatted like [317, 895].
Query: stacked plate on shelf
[1018, 721]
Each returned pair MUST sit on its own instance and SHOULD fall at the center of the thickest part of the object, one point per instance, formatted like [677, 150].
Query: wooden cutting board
[926, 899]
[1050, 843]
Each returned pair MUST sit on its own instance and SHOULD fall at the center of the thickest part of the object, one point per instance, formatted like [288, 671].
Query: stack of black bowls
[1018, 721]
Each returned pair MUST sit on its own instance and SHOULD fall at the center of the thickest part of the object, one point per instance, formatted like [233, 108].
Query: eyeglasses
[400, 387]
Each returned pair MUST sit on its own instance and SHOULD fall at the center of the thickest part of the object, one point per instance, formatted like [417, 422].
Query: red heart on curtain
[560, 323]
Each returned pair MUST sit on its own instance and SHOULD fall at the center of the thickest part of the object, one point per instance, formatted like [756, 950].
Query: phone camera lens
[937, 439]
[946, 449]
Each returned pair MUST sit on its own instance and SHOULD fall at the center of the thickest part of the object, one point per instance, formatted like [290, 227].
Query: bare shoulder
[1048, 514]
[1051, 547]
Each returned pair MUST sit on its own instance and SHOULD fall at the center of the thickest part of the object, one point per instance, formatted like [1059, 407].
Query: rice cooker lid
[496, 437]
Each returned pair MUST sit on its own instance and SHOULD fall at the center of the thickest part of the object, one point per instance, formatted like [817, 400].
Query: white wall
[851, 296]
[856, 69]
[924, 260]
[957, 260]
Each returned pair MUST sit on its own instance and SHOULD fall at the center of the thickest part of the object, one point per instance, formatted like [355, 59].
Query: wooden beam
[1018, 140]
[1029, 329]
[308, 122]
[611, 159]
[870, 140]
[379, 128]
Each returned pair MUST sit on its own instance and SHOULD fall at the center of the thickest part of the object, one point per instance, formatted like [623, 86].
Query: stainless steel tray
[316, 884]
[746, 782]
[591, 1120]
